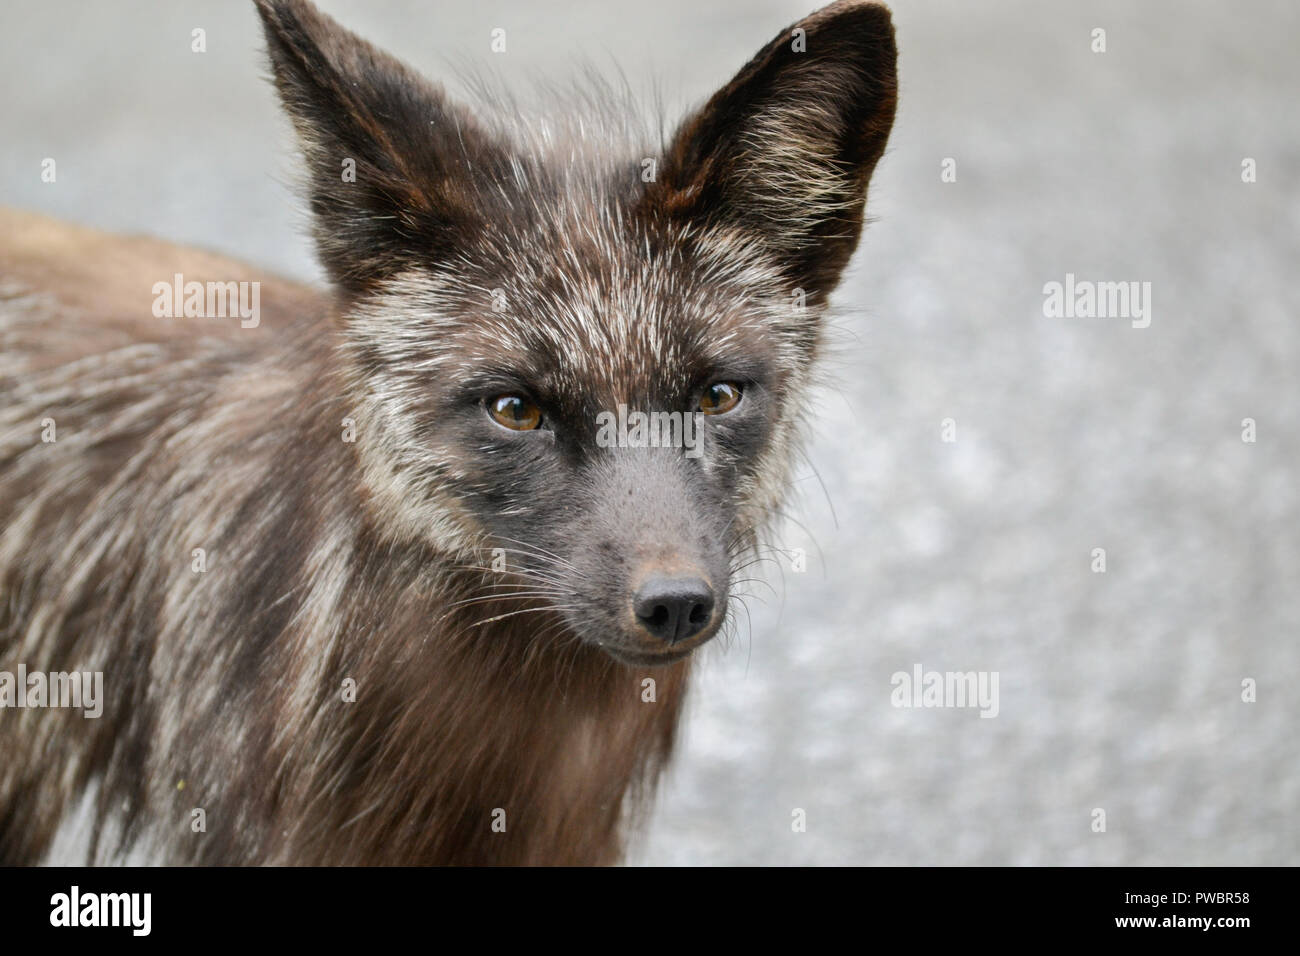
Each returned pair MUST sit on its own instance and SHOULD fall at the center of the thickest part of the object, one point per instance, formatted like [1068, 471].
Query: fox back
[411, 570]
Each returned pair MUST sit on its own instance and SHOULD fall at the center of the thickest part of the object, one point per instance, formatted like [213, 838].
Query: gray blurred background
[1120, 690]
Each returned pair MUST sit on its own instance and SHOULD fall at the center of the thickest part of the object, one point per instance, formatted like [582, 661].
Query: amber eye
[514, 412]
[720, 398]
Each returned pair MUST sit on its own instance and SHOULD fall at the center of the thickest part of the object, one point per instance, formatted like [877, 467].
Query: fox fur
[235, 525]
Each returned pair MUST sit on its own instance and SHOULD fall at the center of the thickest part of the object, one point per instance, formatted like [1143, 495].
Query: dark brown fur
[223, 688]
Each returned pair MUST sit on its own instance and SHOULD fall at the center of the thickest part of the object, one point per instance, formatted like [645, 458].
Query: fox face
[574, 348]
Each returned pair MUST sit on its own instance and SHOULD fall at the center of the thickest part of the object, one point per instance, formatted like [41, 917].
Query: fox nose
[673, 609]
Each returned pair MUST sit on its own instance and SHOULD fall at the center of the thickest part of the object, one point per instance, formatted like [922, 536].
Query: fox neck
[499, 747]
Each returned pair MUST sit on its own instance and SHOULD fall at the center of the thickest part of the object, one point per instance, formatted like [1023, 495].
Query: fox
[367, 578]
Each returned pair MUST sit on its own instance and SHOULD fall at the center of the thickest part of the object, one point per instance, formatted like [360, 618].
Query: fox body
[363, 584]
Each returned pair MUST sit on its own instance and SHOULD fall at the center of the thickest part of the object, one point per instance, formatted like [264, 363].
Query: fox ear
[784, 151]
[388, 158]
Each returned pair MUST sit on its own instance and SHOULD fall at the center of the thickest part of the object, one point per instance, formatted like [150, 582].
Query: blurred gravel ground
[1118, 690]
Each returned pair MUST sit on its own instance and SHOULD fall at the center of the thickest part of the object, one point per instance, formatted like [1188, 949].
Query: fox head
[512, 293]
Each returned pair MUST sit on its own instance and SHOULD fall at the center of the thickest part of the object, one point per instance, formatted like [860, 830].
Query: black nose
[673, 609]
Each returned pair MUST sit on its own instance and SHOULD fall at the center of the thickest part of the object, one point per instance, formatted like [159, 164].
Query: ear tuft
[388, 159]
[786, 149]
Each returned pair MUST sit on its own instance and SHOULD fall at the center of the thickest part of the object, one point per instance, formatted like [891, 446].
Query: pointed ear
[784, 152]
[388, 158]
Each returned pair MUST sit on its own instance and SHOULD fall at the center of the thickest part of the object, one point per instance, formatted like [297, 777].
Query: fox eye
[514, 412]
[720, 398]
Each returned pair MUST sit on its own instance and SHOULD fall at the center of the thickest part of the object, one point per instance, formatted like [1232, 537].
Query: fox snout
[647, 562]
